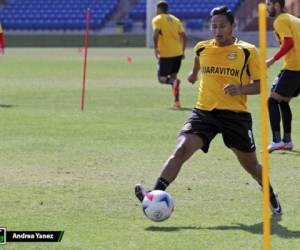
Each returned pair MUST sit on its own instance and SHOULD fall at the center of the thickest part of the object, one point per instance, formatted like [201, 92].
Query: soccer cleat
[288, 146]
[275, 205]
[276, 146]
[140, 191]
[175, 87]
[177, 104]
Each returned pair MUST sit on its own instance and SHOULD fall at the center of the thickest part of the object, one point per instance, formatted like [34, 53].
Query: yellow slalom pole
[264, 131]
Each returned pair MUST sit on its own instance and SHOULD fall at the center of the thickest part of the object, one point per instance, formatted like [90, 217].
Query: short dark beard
[272, 13]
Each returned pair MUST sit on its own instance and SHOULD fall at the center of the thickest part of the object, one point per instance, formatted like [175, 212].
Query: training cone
[129, 59]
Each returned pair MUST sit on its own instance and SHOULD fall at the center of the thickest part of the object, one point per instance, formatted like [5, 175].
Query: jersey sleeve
[181, 28]
[288, 43]
[282, 28]
[254, 64]
[198, 48]
[156, 24]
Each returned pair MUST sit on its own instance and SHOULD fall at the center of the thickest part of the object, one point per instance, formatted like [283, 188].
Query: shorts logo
[251, 138]
[275, 81]
[232, 56]
[187, 127]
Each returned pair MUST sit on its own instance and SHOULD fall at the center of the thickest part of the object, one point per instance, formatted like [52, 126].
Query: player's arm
[193, 76]
[2, 43]
[251, 89]
[288, 43]
[253, 86]
[183, 39]
[155, 42]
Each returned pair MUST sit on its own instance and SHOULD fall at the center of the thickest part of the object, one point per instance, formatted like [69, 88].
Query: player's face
[271, 9]
[222, 30]
[158, 11]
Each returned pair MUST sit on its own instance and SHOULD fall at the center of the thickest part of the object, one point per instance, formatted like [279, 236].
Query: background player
[287, 83]
[169, 45]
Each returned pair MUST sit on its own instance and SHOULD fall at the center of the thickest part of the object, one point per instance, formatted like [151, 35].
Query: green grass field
[62, 169]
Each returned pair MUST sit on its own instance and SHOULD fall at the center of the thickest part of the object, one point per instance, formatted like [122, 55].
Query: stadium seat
[56, 14]
[187, 10]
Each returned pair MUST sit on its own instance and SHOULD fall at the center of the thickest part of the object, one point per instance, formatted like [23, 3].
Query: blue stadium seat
[56, 14]
[187, 10]
[194, 24]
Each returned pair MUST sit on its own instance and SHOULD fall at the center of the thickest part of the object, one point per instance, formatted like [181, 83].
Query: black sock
[176, 98]
[274, 115]
[286, 115]
[272, 194]
[287, 137]
[161, 184]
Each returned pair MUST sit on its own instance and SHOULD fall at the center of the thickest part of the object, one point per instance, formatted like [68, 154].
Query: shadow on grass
[276, 228]
[7, 106]
[182, 109]
[171, 229]
[289, 152]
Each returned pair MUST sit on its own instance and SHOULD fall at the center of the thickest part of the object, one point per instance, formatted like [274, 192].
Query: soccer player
[287, 84]
[2, 46]
[230, 70]
[169, 45]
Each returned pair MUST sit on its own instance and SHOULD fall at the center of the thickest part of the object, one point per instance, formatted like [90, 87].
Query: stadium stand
[191, 12]
[55, 14]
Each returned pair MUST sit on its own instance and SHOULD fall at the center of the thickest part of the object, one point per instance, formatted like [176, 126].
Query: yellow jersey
[170, 27]
[287, 25]
[1, 30]
[234, 64]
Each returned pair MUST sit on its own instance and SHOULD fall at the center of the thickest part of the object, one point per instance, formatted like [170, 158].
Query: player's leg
[238, 136]
[176, 90]
[284, 88]
[176, 64]
[286, 115]
[195, 134]
[274, 115]
[250, 163]
[164, 70]
[187, 144]
[293, 88]
[166, 75]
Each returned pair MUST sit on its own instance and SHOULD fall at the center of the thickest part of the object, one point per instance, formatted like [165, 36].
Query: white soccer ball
[158, 205]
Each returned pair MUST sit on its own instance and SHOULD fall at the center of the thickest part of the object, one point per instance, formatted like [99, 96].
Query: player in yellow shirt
[287, 83]
[169, 45]
[230, 70]
[1, 40]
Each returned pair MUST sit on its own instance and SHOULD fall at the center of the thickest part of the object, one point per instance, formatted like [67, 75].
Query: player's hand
[192, 78]
[156, 52]
[270, 62]
[232, 89]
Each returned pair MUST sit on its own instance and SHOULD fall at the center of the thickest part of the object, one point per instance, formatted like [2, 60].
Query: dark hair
[281, 3]
[163, 6]
[223, 10]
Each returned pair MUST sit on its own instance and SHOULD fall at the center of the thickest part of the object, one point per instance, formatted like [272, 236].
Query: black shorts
[235, 127]
[168, 65]
[287, 83]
